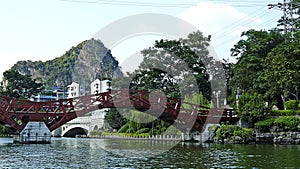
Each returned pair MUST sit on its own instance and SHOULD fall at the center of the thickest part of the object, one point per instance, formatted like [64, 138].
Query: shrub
[287, 123]
[283, 112]
[252, 107]
[228, 131]
[265, 125]
[94, 133]
[124, 128]
[225, 132]
[104, 133]
[143, 130]
[144, 135]
[130, 130]
[291, 105]
[244, 133]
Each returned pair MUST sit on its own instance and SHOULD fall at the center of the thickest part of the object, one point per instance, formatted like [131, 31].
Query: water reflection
[5, 141]
[138, 148]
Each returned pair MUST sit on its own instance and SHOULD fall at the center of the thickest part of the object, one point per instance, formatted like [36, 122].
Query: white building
[99, 86]
[73, 90]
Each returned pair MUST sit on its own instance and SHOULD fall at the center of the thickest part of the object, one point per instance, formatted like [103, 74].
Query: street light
[217, 95]
[237, 97]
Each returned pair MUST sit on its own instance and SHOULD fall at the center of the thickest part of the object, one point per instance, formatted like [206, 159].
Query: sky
[43, 30]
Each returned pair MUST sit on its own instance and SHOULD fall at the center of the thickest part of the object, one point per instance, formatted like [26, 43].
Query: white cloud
[221, 20]
[210, 17]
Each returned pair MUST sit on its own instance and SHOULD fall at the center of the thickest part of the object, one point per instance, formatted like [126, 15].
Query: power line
[225, 39]
[146, 4]
[131, 3]
[240, 23]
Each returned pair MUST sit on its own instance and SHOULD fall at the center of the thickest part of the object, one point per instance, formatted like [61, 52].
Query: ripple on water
[100, 153]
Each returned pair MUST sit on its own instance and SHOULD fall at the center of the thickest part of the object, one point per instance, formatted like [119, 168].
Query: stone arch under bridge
[81, 125]
[75, 130]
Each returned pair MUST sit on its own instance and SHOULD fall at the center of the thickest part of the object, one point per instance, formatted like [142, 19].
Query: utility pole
[289, 8]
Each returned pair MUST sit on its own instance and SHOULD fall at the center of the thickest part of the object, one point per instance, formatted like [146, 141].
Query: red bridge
[17, 113]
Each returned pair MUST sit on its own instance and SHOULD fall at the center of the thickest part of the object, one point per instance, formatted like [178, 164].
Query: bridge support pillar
[33, 133]
[208, 134]
[191, 136]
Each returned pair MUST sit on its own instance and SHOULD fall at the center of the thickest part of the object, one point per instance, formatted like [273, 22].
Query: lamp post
[217, 95]
[237, 97]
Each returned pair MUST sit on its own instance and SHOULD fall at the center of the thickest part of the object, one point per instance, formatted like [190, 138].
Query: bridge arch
[73, 130]
[96, 128]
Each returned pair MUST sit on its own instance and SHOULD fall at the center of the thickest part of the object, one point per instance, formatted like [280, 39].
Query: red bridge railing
[17, 112]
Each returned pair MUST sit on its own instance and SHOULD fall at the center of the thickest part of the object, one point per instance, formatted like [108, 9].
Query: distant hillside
[84, 63]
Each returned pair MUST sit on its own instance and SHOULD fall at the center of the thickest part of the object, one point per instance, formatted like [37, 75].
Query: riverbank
[288, 138]
[153, 137]
[231, 134]
[279, 137]
[255, 138]
[285, 138]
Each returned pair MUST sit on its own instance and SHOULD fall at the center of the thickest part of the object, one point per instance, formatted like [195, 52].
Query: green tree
[253, 107]
[20, 86]
[114, 119]
[280, 75]
[251, 54]
[161, 69]
[174, 56]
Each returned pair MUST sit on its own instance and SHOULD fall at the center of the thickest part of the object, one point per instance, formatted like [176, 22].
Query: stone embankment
[278, 137]
[271, 138]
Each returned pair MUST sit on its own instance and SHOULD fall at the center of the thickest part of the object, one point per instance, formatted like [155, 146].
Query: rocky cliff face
[83, 64]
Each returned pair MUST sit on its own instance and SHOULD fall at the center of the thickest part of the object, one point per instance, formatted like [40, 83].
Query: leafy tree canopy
[20, 86]
[252, 107]
[251, 53]
[268, 63]
[172, 62]
[114, 119]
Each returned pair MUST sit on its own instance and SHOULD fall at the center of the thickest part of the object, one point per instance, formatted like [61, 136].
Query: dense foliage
[231, 132]
[19, 86]
[264, 125]
[114, 119]
[142, 123]
[252, 107]
[268, 63]
[292, 105]
[284, 123]
[287, 123]
[284, 112]
[171, 64]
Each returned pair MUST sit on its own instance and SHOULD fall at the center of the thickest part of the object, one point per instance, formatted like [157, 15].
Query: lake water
[107, 153]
